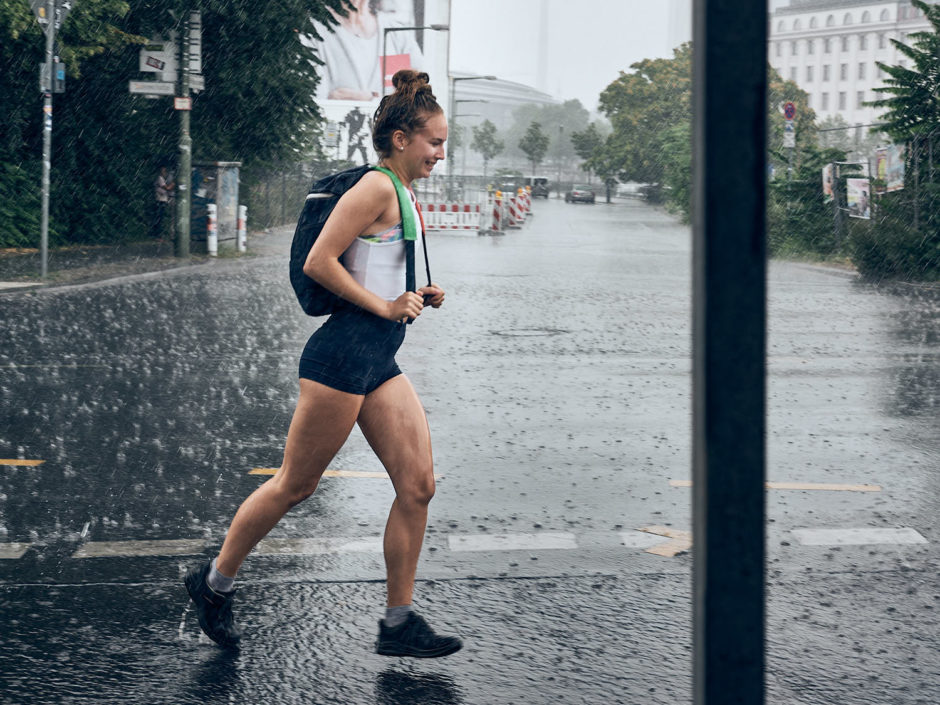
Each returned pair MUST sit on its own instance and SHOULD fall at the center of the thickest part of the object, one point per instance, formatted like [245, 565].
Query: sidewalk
[78, 264]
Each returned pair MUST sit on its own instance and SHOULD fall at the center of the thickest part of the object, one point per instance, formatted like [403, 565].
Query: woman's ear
[399, 140]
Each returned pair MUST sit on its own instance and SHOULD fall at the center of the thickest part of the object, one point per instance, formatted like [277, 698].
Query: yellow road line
[20, 462]
[334, 473]
[680, 543]
[818, 486]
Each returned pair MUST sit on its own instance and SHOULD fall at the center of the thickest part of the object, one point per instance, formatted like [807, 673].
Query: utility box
[216, 183]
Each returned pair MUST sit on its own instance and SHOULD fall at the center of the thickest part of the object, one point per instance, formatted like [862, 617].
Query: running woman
[348, 375]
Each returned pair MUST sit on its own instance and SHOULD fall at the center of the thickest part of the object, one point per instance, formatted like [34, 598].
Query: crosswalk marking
[513, 542]
[335, 473]
[167, 547]
[12, 551]
[657, 540]
[318, 546]
[20, 462]
[815, 486]
[857, 537]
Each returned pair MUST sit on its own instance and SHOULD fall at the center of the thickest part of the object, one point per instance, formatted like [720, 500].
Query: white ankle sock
[217, 581]
[396, 615]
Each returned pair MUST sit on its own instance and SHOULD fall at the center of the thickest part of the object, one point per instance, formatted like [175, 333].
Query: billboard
[859, 198]
[889, 168]
[376, 33]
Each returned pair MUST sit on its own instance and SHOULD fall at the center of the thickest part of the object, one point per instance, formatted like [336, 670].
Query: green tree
[585, 143]
[605, 162]
[486, 142]
[257, 108]
[534, 144]
[565, 119]
[911, 104]
[641, 105]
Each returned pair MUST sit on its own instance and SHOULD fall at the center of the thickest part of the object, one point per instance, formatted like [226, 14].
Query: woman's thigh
[394, 423]
[321, 424]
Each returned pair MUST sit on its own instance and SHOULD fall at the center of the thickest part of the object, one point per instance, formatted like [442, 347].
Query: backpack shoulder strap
[408, 226]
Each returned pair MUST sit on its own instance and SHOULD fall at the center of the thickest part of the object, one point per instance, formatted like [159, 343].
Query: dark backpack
[315, 299]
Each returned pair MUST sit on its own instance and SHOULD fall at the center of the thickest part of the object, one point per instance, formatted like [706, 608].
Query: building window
[810, 46]
[809, 74]
[842, 100]
[793, 73]
[866, 16]
[882, 39]
[860, 99]
[845, 43]
[793, 48]
[809, 101]
[885, 16]
[825, 102]
[827, 45]
[796, 25]
[826, 75]
[831, 21]
[861, 70]
[844, 72]
[863, 41]
[847, 19]
[779, 46]
[813, 23]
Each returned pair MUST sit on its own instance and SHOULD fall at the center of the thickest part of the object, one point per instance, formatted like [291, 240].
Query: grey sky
[589, 41]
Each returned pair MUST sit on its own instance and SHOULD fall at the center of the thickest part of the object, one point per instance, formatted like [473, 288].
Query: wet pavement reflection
[557, 382]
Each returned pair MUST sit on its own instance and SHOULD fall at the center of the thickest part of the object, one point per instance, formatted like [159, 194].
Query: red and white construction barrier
[452, 216]
[515, 213]
[498, 218]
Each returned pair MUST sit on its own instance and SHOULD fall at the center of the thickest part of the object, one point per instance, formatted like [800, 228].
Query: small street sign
[159, 57]
[195, 42]
[182, 103]
[789, 110]
[197, 82]
[152, 87]
[62, 9]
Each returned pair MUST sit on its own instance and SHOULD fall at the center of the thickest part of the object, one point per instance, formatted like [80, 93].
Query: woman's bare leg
[321, 424]
[393, 422]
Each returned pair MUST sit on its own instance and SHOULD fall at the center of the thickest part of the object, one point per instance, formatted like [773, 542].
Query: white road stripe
[857, 537]
[639, 539]
[513, 542]
[13, 550]
[317, 546]
[170, 547]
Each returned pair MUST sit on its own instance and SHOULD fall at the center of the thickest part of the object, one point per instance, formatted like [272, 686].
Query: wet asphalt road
[556, 380]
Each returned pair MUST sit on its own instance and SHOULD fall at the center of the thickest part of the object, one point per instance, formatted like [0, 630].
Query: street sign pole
[184, 175]
[47, 137]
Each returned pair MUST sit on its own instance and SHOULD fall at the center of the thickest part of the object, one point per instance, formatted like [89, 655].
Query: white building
[829, 48]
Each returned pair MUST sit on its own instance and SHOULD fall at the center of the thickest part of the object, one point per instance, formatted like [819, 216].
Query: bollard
[212, 233]
[242, 232]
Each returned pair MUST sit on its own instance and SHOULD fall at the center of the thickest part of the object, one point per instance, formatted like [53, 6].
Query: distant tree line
[649, 109]
[257, 108]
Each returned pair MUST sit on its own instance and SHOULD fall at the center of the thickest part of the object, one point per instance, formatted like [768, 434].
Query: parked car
[580, 192]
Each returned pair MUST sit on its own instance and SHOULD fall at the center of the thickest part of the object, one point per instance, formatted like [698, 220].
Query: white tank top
[380, 266]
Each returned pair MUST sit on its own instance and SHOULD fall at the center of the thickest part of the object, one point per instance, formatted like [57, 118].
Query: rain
[147, 392]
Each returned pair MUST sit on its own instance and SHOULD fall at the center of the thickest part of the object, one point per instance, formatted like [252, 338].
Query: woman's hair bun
[410, 83]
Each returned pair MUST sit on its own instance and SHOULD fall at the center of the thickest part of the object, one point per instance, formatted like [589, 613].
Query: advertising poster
[351, 81]
[827, 183]
[859, 198]
[894, 167]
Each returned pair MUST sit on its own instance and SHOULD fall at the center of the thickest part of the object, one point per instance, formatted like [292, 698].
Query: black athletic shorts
[354, 351]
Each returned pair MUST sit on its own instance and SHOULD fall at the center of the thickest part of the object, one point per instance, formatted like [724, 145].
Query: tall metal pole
[184, 177]
[47, 138]
[729, 348]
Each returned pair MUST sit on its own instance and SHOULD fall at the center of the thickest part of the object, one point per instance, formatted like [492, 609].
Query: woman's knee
[293, 493]
[419, 491]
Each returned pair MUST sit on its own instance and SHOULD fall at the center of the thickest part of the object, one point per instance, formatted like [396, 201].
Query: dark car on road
[580, 192]
[539, 186]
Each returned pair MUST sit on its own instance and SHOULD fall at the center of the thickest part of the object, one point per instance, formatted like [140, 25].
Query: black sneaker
[414, 638]
[214, 609]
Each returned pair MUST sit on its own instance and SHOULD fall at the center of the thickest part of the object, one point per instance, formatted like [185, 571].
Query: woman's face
[425, 147]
